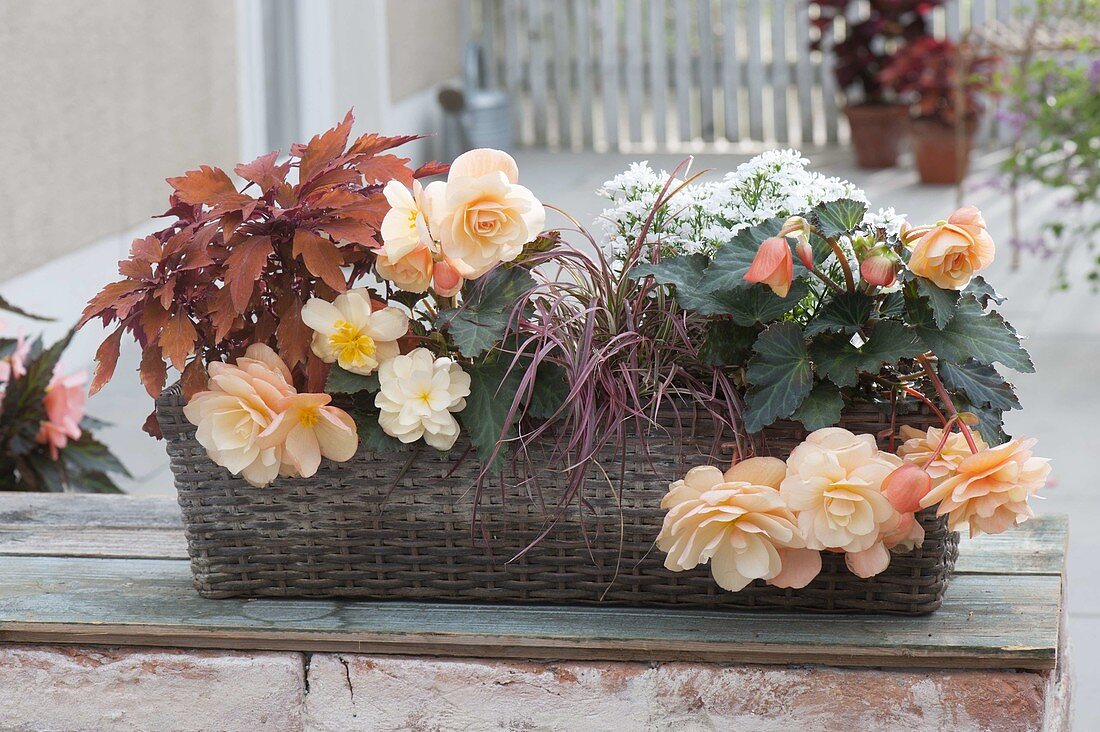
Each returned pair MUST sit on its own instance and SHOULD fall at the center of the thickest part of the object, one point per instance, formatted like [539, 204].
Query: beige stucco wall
[99, 102]
[425, 44]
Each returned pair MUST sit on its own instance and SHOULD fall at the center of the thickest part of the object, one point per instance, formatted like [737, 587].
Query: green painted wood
[1036, 547]
[987, 621]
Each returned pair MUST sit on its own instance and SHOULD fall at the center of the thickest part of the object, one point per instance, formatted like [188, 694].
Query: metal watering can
[474, 116]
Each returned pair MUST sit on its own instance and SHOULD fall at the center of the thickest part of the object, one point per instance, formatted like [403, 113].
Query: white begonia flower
[405, 225]
[350, 332]
[418, 396]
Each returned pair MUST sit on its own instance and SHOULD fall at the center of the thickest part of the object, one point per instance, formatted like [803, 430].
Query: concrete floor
[1063, 332]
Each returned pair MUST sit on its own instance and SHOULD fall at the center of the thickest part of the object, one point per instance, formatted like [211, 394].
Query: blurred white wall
[99, 102]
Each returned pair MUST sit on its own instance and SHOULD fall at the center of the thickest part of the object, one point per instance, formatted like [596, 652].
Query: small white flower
[404, 226]
[418, 397]
[350, 332]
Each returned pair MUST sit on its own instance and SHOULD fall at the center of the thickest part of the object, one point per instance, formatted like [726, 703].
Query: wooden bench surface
[112, 570]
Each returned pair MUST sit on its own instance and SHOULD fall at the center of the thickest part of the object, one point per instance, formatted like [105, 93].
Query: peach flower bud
[880, 268]
[805, 252]
[773, 266]
[989, 490]
[446, 280]
[952, 252]
[906, 486]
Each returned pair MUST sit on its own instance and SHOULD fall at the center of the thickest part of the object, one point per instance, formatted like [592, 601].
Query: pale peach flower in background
[352, 333]
[773, 266]
[306, 429]
[405, 226]
[906, 536]
[989, 490]
[13, 365]
[418, 397]
[738, 527]
[834, 486]
[480, 215]
[411, 272]
[919, 446]
[65, 401]
[239, 404]
[952, 252]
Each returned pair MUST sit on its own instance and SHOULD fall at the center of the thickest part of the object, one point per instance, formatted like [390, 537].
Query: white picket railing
[666, 74]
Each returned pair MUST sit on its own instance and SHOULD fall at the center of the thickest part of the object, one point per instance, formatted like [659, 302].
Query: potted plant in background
[943, 81]
[876, 121]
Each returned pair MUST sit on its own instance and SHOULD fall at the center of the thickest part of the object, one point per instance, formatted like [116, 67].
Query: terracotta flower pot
[877, 130]
[940, 157]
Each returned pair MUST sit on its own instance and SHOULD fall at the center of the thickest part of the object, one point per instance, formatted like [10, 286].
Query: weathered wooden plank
[829, 91]
[536, 42]
[658, 70]
[731, 72]
[804, 78]
[582, 24]
[705, 32]
[609, 73]
[513, 66]
[987, 622]
[1036, 547]
[27, 510]
[563, 83]
[635, 71]
[682, 70]
[778, 10]
[125, 526]
[68, 541]
[755, 71]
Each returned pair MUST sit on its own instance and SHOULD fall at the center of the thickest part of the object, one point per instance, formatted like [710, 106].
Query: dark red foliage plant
[235, 266]
[873, 31]
[942, 80]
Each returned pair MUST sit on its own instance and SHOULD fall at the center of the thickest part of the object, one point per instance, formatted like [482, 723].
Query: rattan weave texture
[345, 533]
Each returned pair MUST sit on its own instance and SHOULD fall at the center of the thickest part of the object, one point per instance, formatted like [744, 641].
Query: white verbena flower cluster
[702, 216]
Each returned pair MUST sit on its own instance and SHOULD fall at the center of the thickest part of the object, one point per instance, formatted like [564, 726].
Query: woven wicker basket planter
[344, 533]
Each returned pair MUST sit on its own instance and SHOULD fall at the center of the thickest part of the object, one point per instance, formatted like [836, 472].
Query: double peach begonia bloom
[456, 230]
[952, 252]
[253, 422]
[920, 446]
[834, 484]
[481, 216]
[739, 523]
[988, 490]
[64, 402]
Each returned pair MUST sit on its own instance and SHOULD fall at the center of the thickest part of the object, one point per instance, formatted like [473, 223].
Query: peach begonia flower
[480, 215]
[919, 446]
[773, 265]
[419, 395]
[411, 272]
[834, 486]
[240, 402]
[744, 530]
[952, 252]
[352, 333]
[13, 365]
[65, 401]
[306, 428]
[880, 268]
[989, 490]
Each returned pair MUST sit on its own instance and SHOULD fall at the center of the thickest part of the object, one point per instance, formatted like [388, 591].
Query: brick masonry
[73, 688]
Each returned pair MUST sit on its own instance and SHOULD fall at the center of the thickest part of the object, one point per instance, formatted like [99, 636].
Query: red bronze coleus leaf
[234, 267]
[322, 258]
[243, 267]
[106, 357]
